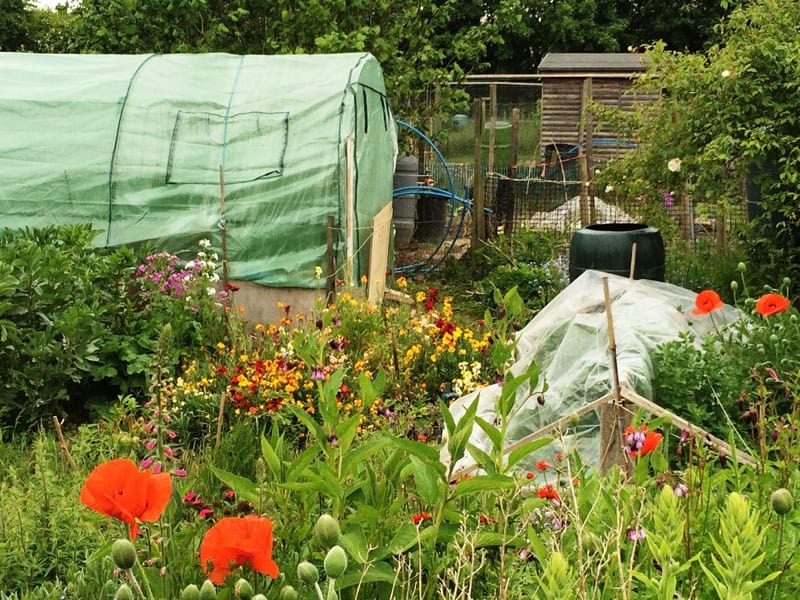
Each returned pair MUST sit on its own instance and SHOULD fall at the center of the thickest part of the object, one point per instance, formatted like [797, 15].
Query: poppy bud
[782, 501]
[590, 541]
[328, 530]
[335, 562]
[307, 573]
[741, 267]
[734, 285]
[123, 593]
[124, 553]
[243, 590]
[540, 399]
[208, 591]
[261, 597]
[287, 593]
[190, 592]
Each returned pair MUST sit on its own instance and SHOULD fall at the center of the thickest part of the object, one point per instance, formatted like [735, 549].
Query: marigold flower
[770, 304]
[118, 489]
[237, 541]
[707, 302]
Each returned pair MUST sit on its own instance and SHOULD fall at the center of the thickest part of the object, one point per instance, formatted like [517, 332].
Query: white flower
[214, 277]
[725, 73]
[190, 265]
[205, 243]
[211, 291]
[674, 165]
[609, 189]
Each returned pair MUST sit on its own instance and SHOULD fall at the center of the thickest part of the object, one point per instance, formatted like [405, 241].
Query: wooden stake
[611, 415]
[330, 278]
[220, 416]
[478, 231]
[223, 229]
[63, 443]
[633, 262]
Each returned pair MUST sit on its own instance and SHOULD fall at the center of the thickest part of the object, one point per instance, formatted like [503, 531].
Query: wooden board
[379, 254]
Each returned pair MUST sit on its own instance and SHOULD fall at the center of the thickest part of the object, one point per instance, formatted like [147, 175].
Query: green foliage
[421, 46]
[729, 117]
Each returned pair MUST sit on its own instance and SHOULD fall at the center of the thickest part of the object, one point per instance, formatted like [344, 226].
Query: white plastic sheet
[568, 339]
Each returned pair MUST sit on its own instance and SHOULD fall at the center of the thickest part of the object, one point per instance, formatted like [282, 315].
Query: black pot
[608, 247]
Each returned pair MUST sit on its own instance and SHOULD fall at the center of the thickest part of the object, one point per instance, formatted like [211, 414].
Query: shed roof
[591, 62]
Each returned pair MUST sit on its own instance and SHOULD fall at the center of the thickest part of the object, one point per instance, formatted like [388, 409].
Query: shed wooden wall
[561, 111]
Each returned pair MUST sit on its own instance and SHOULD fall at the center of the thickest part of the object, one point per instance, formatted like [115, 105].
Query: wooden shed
[572, 80]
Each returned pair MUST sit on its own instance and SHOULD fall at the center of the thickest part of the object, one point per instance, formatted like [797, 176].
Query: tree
[421, 45]
[729, 116]
[14, 24]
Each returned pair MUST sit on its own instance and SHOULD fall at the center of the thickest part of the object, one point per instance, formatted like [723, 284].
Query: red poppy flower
[770, 304]
[118, 489]
[706, 302]
[542, 465]
[237, 541]
[651, 442]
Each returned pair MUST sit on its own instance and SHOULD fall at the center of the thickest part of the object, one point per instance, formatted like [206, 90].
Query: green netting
[134, 145]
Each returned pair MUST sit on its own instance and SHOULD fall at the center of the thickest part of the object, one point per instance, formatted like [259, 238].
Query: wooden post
[687, 218]
[330, 279]
[611, 415]
[223, 229]
[508, 225]
[492, 127]
[587, 208]
[478, 230]
[349, 208]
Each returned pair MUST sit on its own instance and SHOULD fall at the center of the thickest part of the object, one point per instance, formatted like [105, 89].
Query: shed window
[251, 146]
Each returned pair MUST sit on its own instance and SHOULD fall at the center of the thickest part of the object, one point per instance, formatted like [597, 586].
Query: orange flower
[770, 304]
[548, 492]
[651, 442]
[706, 302]
[118, 489]
[237, 541]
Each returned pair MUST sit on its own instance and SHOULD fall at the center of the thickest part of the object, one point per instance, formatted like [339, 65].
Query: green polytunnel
[139, 145]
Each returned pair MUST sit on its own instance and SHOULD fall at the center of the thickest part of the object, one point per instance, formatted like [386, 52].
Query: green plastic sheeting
[134, 144]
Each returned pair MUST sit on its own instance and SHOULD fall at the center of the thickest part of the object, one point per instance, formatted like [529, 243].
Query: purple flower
[317, 374]
[634, 441]
[636, 534]
[669, 199]
[681, 490]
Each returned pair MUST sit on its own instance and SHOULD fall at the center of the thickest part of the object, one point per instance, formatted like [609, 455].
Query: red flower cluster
[430, 301]
[421, 516]
[708, 301]
[548, 492]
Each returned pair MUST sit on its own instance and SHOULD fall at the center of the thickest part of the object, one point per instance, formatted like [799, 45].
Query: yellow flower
[402, 282]
[220, 346]
[318, 272]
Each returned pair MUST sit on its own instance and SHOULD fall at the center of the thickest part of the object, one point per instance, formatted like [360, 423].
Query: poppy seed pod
[124, 554]
[287, 593]
[307, 573]
[190, 592]
[590, 541]
[123, 593]
[243, 590]
[328, 530]
[335, 562]
[208, 591]
[782, 501]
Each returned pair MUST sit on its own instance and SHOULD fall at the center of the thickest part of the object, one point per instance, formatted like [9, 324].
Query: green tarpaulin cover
[134, 144]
